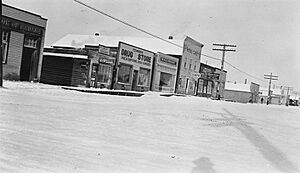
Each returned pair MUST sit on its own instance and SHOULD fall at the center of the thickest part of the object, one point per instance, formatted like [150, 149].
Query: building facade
[164, 73]
[189, 67]
[243, 93]
[65, 67]
[102, 64]
[206, 81]
[211, 82]
[23, 39]
[133, 68]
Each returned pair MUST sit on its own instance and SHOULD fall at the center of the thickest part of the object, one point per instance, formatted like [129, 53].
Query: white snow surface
[44, 128]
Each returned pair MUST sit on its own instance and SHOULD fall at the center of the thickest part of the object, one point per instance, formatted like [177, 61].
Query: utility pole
[270, 77]
[223, 52]
[224, 46]
[287, 94]
[1, 58]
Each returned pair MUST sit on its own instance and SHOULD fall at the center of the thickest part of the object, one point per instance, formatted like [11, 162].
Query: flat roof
[24, 11]
[148, 43]
[65, 55]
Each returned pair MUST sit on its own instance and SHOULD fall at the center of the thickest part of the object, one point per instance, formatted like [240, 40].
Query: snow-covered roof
[151, 44]
[66, 55]
[237, 87]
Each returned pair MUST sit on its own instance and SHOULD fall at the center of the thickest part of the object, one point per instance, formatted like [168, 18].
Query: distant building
[278, 95]
[23, 39]
[211, 82]
[243, 93]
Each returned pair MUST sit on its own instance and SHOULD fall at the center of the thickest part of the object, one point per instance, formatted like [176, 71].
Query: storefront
[190, 63]
[102, 64]
[64, 67]
[165, 73]
[134, 68]
[23, 38]
[207, 81]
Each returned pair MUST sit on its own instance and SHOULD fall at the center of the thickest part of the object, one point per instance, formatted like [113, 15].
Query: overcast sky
[266, 32]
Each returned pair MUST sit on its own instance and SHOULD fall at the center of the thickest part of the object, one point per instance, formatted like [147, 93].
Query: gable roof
[151, 44]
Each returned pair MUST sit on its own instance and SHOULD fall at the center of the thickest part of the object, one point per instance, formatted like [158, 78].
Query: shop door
[187, 85]
[134, 80]
[26, 64]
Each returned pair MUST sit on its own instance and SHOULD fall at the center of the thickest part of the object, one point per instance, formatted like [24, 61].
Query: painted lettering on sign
[20, 26]
[168, 61]
[134, 55]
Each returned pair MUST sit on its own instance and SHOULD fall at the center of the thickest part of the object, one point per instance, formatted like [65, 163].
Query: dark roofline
[24, 11]
[211, 66]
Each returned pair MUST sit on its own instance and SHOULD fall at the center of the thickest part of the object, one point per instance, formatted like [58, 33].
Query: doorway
[134, 80]
[26, 64]
[187, 84]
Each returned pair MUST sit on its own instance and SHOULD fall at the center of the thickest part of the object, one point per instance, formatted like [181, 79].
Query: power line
[160, 38]
[223, 52]
[244, 72]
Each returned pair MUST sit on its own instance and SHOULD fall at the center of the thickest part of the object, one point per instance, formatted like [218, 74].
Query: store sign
[191, 48]
[106, 59]
[21, 26]
[196, 75]
[136, 56]
[167, 60]
[167, 63]
[104, 50]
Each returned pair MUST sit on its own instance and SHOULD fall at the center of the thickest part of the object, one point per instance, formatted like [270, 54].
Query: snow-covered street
[45, 128]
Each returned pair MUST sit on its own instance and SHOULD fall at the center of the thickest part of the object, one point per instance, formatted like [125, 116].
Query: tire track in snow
[270, 152]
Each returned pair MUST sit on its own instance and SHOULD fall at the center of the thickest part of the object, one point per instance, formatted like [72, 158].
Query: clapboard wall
[57, 70]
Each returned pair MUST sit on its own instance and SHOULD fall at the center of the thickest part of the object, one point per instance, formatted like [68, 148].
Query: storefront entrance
[187, 84]
[26, 64]
[134, 80]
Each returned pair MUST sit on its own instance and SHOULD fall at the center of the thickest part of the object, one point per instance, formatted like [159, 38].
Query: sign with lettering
[21, 26]
[165, 59]
[136, 56]
[106, 59]
[166, 63]
[103, 49]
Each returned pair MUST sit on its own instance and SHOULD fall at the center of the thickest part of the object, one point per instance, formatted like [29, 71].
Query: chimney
[97, 34]
[170, 37]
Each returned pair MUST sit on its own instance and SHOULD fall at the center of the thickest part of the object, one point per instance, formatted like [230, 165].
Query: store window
[165, 79]
[144, 77]
[30, 42]
[5, 38]
[200, 86]
[209, 87]
[124, 73]
[104, 73]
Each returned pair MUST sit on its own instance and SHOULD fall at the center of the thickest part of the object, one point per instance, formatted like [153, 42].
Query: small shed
[243, 93]
[64, 69]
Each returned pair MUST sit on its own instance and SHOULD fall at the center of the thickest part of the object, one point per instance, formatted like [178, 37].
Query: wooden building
[65, 67]
[165, 73]
[23, 35]
[134, 68]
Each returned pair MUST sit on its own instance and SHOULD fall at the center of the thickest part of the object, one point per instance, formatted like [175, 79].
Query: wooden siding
[79, 74]
[14, 56]
[23, 16]
[57, 70]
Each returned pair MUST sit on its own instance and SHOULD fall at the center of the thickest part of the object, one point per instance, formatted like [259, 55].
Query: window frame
[5, 45]
[130, 73]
